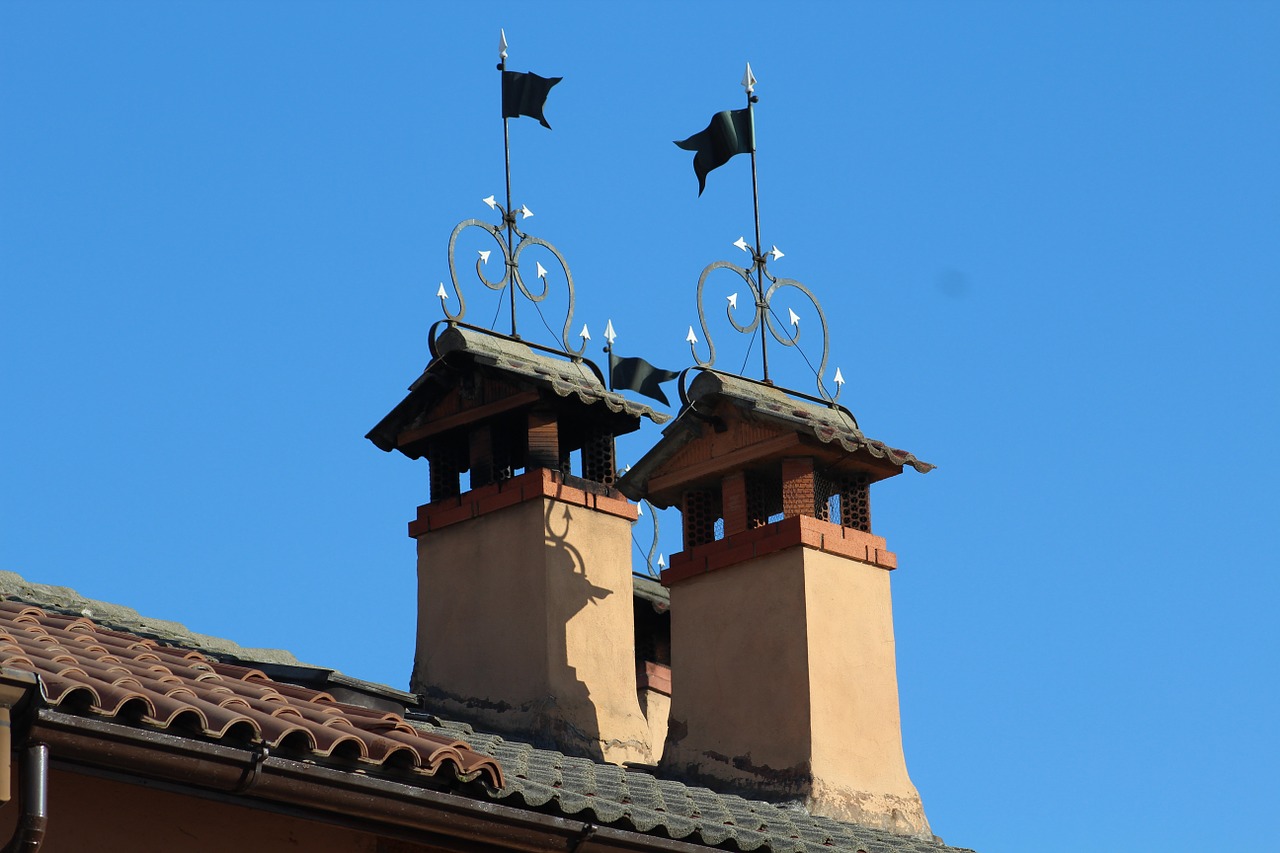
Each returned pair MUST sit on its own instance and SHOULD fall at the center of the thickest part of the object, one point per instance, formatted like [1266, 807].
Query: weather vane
[523, 94]
[732, 132]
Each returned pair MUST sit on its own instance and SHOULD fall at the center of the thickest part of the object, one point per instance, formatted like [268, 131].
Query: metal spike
[639, 509]
[484, 255]
[542, 271]
[662, 561]
[525, 211]
[742, 244]
[795, 318]
[839, 380]
[502, 44]
[691, 337]
[733, 300]
[584, 334]
[491, 201]
[609, 333]
[749, 80]
[442, 293]
[777, 253]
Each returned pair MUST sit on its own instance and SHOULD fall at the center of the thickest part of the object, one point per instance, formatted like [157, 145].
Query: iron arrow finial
[733, 300]
[749, 80]
[502, 43]
[525, 211]
[777, 253]
[691, 337]
[742, 244]
[609, 334]
[491, 201]
[542, 271]
[441, 293]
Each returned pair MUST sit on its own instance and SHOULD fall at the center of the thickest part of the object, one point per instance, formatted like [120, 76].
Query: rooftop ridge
[67, 600]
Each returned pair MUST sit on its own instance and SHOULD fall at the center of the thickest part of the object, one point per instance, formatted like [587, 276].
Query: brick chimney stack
[525, 619]
[784, 684]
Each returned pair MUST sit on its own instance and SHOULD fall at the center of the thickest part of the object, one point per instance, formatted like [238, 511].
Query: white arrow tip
[733, 300]
[639, 509]
[742, 244]
[441, 292]
[542, 271]
[839, 380]
[502, 44]
[525, 211]
[691, 337]
[584, 334]
[777, 253]
[484, 255]
[662, 561]
[609, 334]
[491, 201]
[749, 80]
[795, 318]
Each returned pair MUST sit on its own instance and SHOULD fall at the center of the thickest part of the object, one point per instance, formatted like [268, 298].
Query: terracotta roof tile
[89, 669]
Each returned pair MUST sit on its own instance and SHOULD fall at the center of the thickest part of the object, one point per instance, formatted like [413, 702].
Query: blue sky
[1045, 237]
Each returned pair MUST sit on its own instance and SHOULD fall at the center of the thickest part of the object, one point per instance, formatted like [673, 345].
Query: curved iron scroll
[510, 271]
[762, 313]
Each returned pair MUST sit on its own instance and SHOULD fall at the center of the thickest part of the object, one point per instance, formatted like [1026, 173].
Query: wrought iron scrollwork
[762, 315]
[511, 273]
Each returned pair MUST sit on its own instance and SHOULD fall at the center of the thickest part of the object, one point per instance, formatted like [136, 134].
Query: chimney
[525, 614]
[783, 681]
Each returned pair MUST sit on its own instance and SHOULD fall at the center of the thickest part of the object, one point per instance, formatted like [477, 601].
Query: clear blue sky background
[1047, 237]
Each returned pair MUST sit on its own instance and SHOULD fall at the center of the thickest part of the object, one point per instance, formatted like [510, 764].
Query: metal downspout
[33, 793]
[18, 690]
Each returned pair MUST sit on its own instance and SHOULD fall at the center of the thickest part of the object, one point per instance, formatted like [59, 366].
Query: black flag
[730, 132]
[525, 94]
[636, 374]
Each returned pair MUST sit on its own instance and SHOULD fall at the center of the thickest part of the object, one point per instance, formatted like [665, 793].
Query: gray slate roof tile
[627, 798]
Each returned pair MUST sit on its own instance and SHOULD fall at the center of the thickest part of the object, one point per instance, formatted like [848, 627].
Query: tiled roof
[72, 652]
[625, 798]
[827, 424]
[88, 669]
[565, 378]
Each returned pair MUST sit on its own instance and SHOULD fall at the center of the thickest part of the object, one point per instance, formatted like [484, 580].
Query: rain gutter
[357, 800]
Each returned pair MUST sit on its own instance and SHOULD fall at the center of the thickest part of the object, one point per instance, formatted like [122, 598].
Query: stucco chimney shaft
[783, 673]
[525, 614]
[525, 617]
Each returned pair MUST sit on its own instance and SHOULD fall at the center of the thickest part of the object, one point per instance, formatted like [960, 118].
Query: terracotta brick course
[531, 485]
[656, 677]
[787, 533]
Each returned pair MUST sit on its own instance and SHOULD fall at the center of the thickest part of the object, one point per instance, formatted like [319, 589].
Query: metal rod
[507, 214]
[755, 201]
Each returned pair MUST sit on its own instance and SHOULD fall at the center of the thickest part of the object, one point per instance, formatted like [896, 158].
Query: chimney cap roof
[459, 347]
[829, 429]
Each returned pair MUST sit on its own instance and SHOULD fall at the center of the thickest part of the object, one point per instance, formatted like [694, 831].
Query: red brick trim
[655, 677]
[787, 533]
[529, 486]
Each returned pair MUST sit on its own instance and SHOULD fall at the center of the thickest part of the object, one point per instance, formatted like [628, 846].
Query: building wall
[88, 813]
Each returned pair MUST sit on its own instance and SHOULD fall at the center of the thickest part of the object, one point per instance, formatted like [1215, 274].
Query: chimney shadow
[571, 720]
